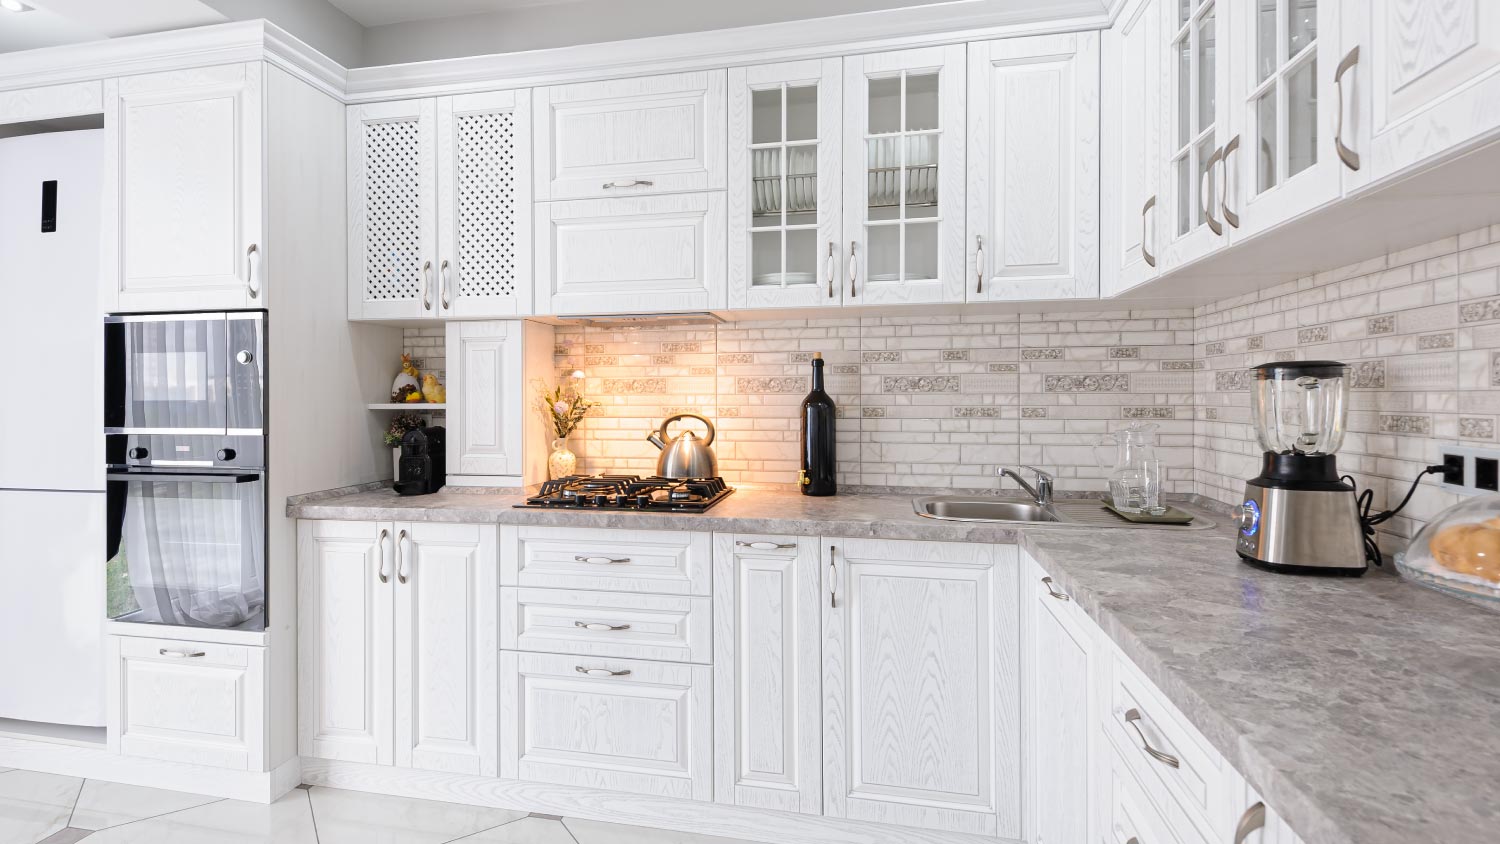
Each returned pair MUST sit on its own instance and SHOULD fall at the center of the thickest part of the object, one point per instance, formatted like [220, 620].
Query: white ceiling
[383, 12]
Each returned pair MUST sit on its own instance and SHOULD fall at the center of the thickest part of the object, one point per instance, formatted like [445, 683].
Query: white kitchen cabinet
[184, 176]
[767, 662]
[663, 562]
[397, 644]
[617, 724]
[644, 254]
[1281, 161]
[1422, 80]
[440, 207]
[1250, 821]
[1198, 118]
[193, 702]
[1131, 173]
[785, 184]
[644, 135]
[495, 436]
[904, 206]
[1033, 168]
[920, 685]
[1058, 681]
[669, 628]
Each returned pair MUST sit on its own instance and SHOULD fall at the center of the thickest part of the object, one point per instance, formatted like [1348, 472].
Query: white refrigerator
[52, 500]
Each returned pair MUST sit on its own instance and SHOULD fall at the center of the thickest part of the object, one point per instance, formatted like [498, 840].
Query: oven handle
[184, 477]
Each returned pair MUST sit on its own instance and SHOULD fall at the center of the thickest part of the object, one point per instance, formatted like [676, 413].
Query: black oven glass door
[246, 413]
[166, 373]
[187, 548]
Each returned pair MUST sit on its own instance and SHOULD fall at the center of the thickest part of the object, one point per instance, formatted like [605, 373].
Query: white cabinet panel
[192, 702]
[446, 647]
[903, 208]
[1130, 178]
[346, 633]
[484, 204]
[767, 653]
[392, 210]
[648, 135]
[663, 562]
[785, 184]
[645, 254]
[622, 725]
[1033, 220]
[671, 628]
[184, 153]
[486, 389]
[920, 683]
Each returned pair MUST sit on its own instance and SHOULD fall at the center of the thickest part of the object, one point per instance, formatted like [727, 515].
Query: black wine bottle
[819, 458]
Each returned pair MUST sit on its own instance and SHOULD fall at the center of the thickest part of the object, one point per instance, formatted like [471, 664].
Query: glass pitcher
[1128, 457]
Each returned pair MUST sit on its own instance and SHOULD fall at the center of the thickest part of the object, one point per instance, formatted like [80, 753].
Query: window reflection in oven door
[187, 548]
[165, 373]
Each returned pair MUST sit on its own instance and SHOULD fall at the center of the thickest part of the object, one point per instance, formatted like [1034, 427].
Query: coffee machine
[1299, 516]
[423, 468]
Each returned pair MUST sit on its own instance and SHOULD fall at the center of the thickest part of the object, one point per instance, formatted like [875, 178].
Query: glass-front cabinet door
[904, 176]
[1282, 160]
[785, 161]
[1197, 126]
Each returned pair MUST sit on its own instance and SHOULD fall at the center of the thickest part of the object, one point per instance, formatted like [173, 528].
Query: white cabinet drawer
[615, 624]
[653, 134]
[192, 702]
[1130, 818]
[638, 254]
[618, 724]
[663, 562]
[1175, 765]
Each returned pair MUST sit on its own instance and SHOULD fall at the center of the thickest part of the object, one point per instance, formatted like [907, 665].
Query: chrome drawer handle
[599, 625]
[384, 578]
[400, 557]
[1253, 819]
[252, 259]
[1146, 253]
[1346, 155]
[601, 672]
[1061, 596]
[629, 183]
[765, 546]
[600, 561]
[426, 285]
[1132, 717]
[180, 654]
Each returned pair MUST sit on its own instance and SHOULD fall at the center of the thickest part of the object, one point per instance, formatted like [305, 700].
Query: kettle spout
[654, 438]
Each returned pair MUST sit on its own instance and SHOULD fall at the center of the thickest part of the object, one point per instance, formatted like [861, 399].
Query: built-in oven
[185, 451]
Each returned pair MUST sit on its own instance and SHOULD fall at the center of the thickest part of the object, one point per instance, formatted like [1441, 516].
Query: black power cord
[1363, 501]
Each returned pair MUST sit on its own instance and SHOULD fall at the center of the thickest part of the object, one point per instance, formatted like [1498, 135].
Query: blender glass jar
[1300, 406]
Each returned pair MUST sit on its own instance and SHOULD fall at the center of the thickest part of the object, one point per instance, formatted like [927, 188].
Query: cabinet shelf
[418, 407]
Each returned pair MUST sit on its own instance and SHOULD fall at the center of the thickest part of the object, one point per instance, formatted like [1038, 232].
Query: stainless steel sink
[958, 509]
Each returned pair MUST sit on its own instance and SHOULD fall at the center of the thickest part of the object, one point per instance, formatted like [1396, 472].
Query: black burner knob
[226, 454]
[137, 453]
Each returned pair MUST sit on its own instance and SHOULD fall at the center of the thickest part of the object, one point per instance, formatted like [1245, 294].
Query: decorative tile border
[1033, 413]
[1124, 352]
[919, 384]
[682, 346]
[1004, 367]
[1476, 428]
[1405, 424]
[881, 357]
[634, 386]
[1367, 375]
[1042, 354]
[950, 355]
[1232, 380]
[734, 358]
[1381, 325]
[1316, 334]
[1430, 342]
[976, 412]
[1148, 412]
[1087, 384]
[785, 384]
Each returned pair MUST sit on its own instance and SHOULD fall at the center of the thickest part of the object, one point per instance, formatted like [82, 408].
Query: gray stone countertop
[1365, 711]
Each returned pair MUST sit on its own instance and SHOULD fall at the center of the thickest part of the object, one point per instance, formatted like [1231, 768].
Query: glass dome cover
[1300, 407]
[1458, 551]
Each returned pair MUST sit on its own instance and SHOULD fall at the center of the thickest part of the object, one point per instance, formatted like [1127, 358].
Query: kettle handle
[670, 419]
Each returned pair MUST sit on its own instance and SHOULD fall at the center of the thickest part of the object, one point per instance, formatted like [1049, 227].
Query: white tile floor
[38, 808]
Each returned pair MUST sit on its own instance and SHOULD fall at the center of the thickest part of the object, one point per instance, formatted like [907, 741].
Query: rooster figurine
[432, 391]
[407, 383]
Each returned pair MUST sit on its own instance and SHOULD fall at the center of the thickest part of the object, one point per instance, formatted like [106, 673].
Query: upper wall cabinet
[440, 207]
[904, 176]
[1033, 170]
[1130, 176]
[1198, 50]
[624, 137]
[1418, 78]
[185, 150]
[785, 189]
[1282, 160]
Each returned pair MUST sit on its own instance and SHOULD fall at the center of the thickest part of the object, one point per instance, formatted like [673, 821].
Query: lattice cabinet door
[484, 204]
[393, 263]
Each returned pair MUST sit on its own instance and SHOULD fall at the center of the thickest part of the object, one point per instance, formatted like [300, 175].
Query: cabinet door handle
[426, 285]
[601, 561]
[252, 260]
[1053, 591]
[1346, 155]
[765, 546]
[978, 263]
[400, 558]
[180, 654]
[1132, 840]
[853, 268]
[1133, 717]
[445, 284]
[1146, 253]
[384, 534]
[601, 672]
[1253, 819]
[1230, 217]
[599, 625]
[629, 183]
[1203, 182]
[830, 268]
[833, 577]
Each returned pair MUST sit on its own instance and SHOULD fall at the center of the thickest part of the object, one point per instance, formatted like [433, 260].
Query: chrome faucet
[1042, 493]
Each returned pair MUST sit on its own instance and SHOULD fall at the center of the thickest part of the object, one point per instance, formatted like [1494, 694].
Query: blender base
[1322, 571]
[1302, 527]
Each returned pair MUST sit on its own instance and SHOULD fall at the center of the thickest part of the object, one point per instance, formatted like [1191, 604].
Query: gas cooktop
[628, 492]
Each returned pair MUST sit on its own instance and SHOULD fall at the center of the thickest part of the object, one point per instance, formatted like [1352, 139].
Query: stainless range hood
[632, 320]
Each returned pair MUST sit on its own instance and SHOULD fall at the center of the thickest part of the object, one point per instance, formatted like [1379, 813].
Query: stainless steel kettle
[684, 456]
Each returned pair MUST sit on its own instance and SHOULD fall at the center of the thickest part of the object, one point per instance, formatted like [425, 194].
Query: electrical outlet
[1470, 470]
